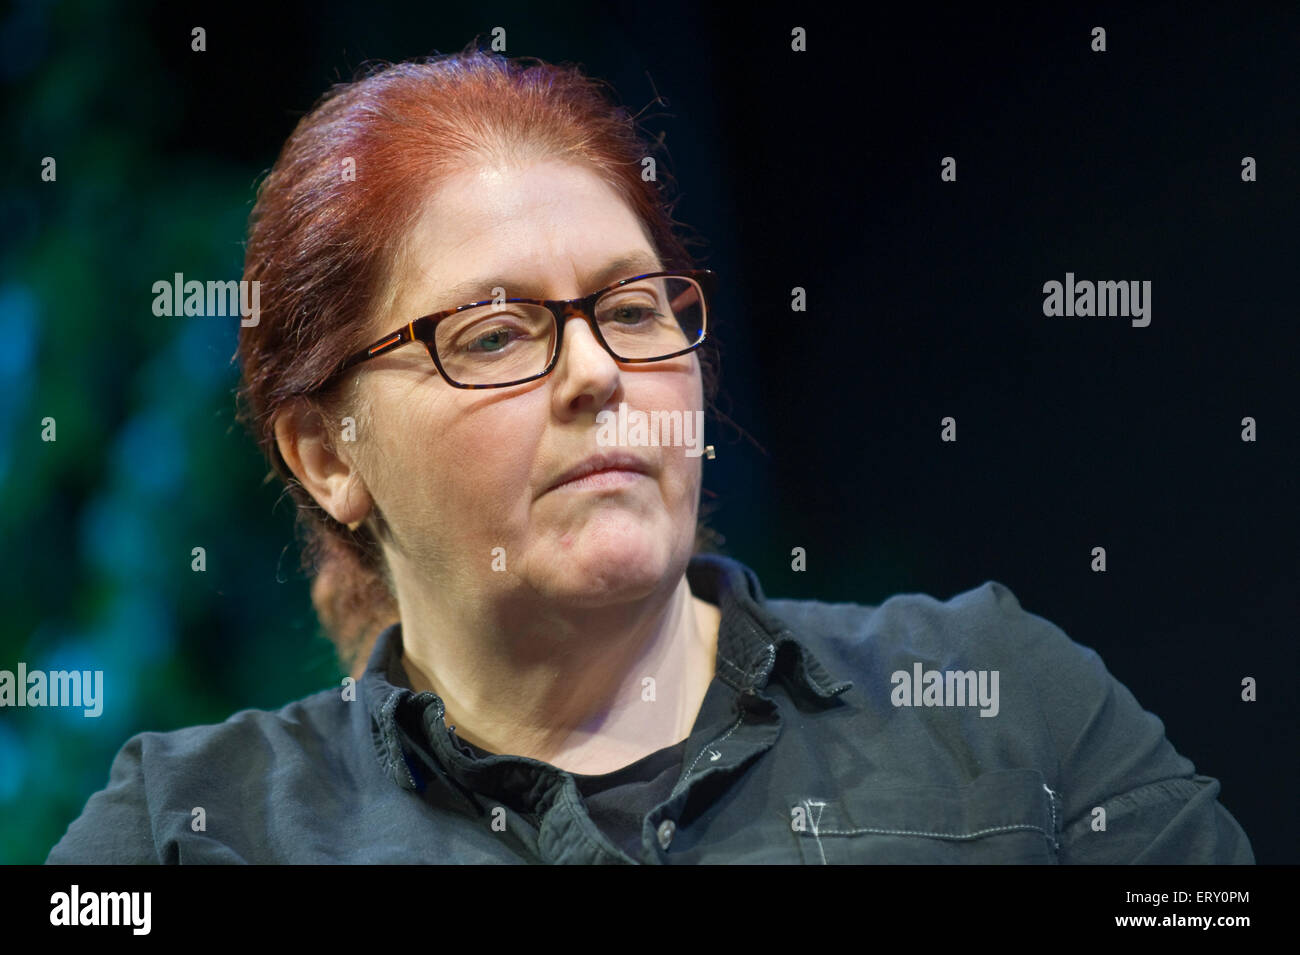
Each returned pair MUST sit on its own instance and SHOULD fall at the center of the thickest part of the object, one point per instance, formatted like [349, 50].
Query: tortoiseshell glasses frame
[423, 329]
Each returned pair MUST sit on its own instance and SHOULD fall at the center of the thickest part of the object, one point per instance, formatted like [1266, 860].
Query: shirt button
[666, 830]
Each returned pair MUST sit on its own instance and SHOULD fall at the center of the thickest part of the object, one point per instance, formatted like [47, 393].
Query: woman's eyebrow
[473, 290]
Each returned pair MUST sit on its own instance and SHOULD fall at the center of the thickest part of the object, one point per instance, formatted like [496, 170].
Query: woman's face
[458, 473]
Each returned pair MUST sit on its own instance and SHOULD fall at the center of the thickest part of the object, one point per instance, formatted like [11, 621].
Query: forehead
[544, 227]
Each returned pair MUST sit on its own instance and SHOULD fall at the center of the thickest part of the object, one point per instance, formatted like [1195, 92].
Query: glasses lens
[495, 344]
[652, 318]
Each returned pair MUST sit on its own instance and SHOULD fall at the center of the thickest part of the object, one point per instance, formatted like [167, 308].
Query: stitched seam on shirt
[1051, 801]
[682, 782]
[391, 734]
[1021, 650]
[744, 673]
[771, 660]
[935, 835]
[821, 804]
[748, 675]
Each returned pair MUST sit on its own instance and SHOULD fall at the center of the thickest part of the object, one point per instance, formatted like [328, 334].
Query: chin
[610, 564]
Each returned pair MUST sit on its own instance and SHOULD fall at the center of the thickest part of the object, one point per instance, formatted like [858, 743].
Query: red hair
[323, 246]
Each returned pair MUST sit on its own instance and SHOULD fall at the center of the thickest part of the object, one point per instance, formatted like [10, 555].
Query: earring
[354, 525]
[708, 452]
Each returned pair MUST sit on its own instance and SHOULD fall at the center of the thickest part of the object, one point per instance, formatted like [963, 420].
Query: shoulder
[1058, 710]
[256, 738]
[984, 620]
[164, 783]
[983, 672]
[1042, 683]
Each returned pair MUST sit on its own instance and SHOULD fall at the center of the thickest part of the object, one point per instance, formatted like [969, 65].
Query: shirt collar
[753, 644]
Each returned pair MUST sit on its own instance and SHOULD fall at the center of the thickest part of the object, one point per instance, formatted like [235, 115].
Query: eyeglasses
[498, 343]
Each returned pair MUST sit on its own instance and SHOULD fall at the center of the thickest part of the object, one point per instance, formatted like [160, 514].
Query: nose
[585, 373]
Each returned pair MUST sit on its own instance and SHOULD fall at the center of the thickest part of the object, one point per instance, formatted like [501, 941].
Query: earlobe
[332, 480]
[356, 503]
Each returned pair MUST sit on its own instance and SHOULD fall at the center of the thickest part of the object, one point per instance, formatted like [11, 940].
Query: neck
[588, 690]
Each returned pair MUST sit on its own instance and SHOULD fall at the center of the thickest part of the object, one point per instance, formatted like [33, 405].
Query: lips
[601, 462]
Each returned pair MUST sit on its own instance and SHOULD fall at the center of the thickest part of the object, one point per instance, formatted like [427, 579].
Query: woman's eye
[492, 341]
[632, 314]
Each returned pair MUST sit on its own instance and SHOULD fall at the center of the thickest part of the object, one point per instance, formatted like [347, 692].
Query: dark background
[816, 169]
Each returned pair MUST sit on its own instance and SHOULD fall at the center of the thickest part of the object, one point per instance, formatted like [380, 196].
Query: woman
[545, 672]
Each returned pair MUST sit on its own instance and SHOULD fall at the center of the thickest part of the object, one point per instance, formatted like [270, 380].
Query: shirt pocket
[1002, 817]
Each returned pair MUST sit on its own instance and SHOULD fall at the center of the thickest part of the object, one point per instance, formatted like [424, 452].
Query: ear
[331, 479]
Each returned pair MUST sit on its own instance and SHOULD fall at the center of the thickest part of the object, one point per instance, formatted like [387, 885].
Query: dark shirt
[619, 801]
[805, 750]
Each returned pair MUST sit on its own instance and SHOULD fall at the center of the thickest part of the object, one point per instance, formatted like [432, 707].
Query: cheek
[481, 466]
[686, 477]
[414, 458]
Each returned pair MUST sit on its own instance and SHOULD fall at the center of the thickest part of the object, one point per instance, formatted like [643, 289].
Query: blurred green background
[147, 464]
